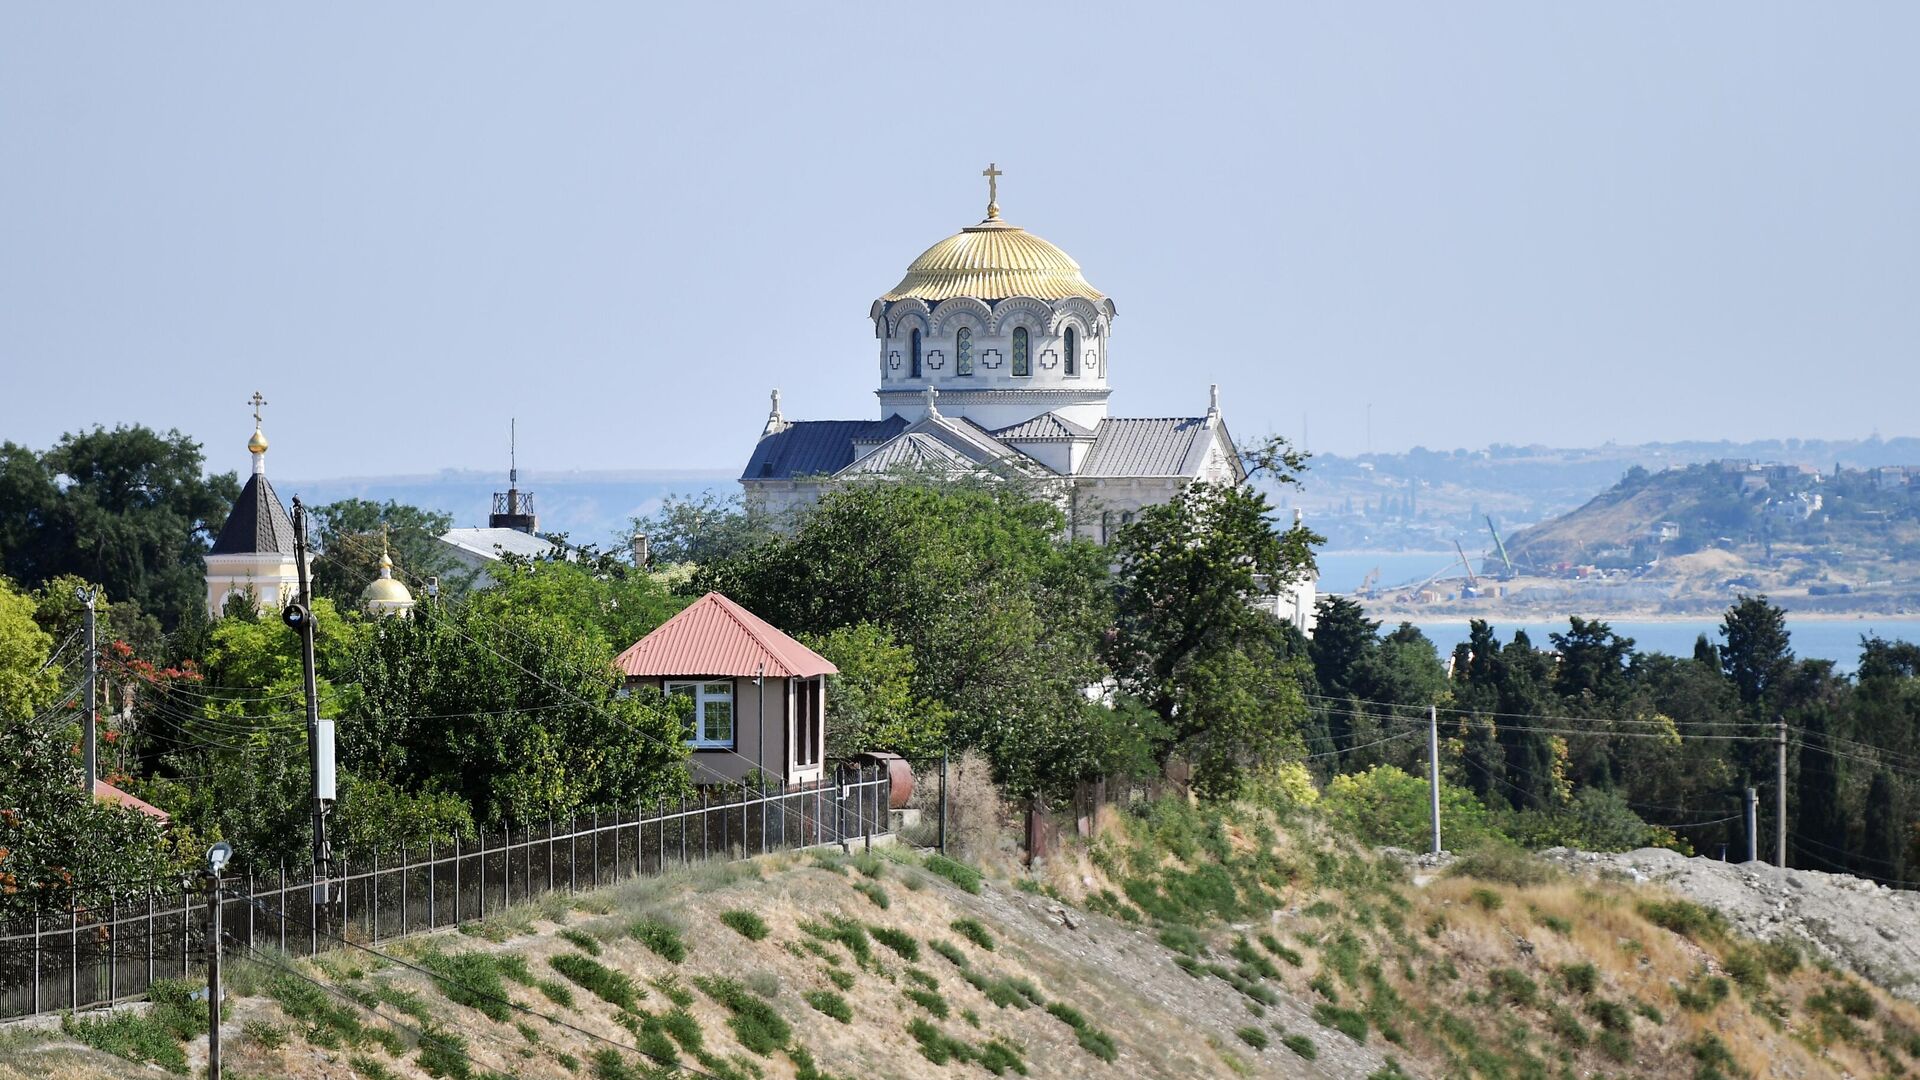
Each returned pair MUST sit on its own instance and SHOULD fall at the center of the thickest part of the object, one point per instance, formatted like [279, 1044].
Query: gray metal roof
[1044, 426]
[815, 447]
[493, 543]
[257, 524]
[914, 450]
[1156, 446]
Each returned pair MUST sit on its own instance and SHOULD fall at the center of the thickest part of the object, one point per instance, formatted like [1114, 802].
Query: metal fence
[94, 955]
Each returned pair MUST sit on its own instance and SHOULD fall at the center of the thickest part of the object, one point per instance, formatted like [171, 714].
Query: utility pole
[1780, 793]
[90, 732]
[217, 857]
[943, 801]
[299, 615]
[1433, 771]
[1753, 825]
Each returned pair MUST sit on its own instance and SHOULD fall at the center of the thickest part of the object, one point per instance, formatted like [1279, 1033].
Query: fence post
[113, 951]
[432, 881]
[526, 847]
[874, 790]
[482, 835]
[73, 946]
[249, 906]
[404, 867]
[704, 849]
[373, 895]
[595, 866]
[36, 955]
[281, 880]
[456, 877]
[683, 829]
[149, 936]
[549, 852]
[346, 890]
[506, 865]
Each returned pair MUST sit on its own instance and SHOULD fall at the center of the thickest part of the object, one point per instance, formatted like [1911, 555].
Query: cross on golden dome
[257, 444]
[993, 175]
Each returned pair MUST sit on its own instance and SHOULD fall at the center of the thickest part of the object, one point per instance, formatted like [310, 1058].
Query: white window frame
[704, 691]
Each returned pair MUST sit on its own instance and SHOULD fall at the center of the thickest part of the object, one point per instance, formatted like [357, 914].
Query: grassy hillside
[1183, 942]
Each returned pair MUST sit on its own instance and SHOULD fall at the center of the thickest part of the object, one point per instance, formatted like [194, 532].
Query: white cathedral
[995, 353]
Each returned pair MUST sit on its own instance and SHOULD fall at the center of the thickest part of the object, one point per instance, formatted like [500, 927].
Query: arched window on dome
[1073, 352]
[913, 369]
[1022, 352]
[963, 351]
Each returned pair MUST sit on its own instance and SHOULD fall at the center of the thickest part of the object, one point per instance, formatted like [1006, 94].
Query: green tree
[27, 683]
[1592, 672]
[871, 703]
[127, 508]
[1002, 614]
[704, 528]
[1343, 636]
[1758, 656]
[350, 534]
[1819, 818]
[1188, 641]
[593, 591]
[1883, 851]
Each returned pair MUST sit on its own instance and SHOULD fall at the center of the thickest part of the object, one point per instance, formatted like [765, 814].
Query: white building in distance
[995, 353]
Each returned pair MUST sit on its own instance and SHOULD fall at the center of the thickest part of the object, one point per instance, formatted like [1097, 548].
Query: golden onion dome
[386, 593]
[257, 444]
[992, 261]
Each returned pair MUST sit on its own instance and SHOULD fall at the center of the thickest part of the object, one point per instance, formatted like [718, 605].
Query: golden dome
[386, 593]
[992, 261]
[257, 444]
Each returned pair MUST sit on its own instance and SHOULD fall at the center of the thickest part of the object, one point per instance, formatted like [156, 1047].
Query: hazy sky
[624, 223]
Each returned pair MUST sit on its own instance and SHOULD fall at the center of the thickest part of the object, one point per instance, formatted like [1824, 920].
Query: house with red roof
[759, 698]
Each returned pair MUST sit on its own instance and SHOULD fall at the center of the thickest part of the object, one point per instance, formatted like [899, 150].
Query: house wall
[720, 766]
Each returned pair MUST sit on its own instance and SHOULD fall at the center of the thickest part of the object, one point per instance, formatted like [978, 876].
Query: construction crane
[1473, 583]
[1501, 548]
[1367, 583]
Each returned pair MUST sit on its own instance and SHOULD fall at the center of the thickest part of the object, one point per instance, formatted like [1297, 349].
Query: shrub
[603, 982]
[1385, 805]
[327, 1021]
[1253, 1037]
[1847, 998]
[557, 992]
[1611, 1015]
[1092, 1039]
[873, 892]
[664, 940]
[921, 978]
[973, 930]
[443, 1053]
[937, 1046]
[955, 871]
[899, 941]
[271, 1036]
[951, 951]
[581, 940]
[1273, 945]
[830, 1003]
[1345, 1021]
[1300, 1045]
[1616, 1045]
[998, 1056]
[929, 1000]
[1781, 956]
[1746, 968]
[1485, 899]
[1712, 1059]
[1513, 985]
[1684, 917]
[675, 991]
[1568, 1027]
[1581, 979]
[747, 924]
[847, 932]
[124, 1035]
[758, 1026]
[685, 1030]
[1183, 939]
[1502, 863]
[471, 979]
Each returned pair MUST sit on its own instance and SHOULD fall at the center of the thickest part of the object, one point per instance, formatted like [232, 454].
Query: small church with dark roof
[254, 551]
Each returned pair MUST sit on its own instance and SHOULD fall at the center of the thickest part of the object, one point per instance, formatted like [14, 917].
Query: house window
[1022, 352]
[712, 722]
[914, 370]
[963, 352]
[806, 723]
[1073, 352]
[1107, 521]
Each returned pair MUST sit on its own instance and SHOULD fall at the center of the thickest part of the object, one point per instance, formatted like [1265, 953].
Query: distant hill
[1777, 525]
[590, 507]
[1425, 499]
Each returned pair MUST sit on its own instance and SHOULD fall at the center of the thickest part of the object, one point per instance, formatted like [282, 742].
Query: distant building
[253, 555]
[1663, 532]
[1894, 477]
[511, 530]
[1796, 507]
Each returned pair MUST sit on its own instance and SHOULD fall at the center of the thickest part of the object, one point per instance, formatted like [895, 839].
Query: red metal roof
[719, 637]
[106, 792]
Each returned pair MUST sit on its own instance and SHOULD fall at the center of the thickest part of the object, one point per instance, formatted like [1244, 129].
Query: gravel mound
[1856, 924]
